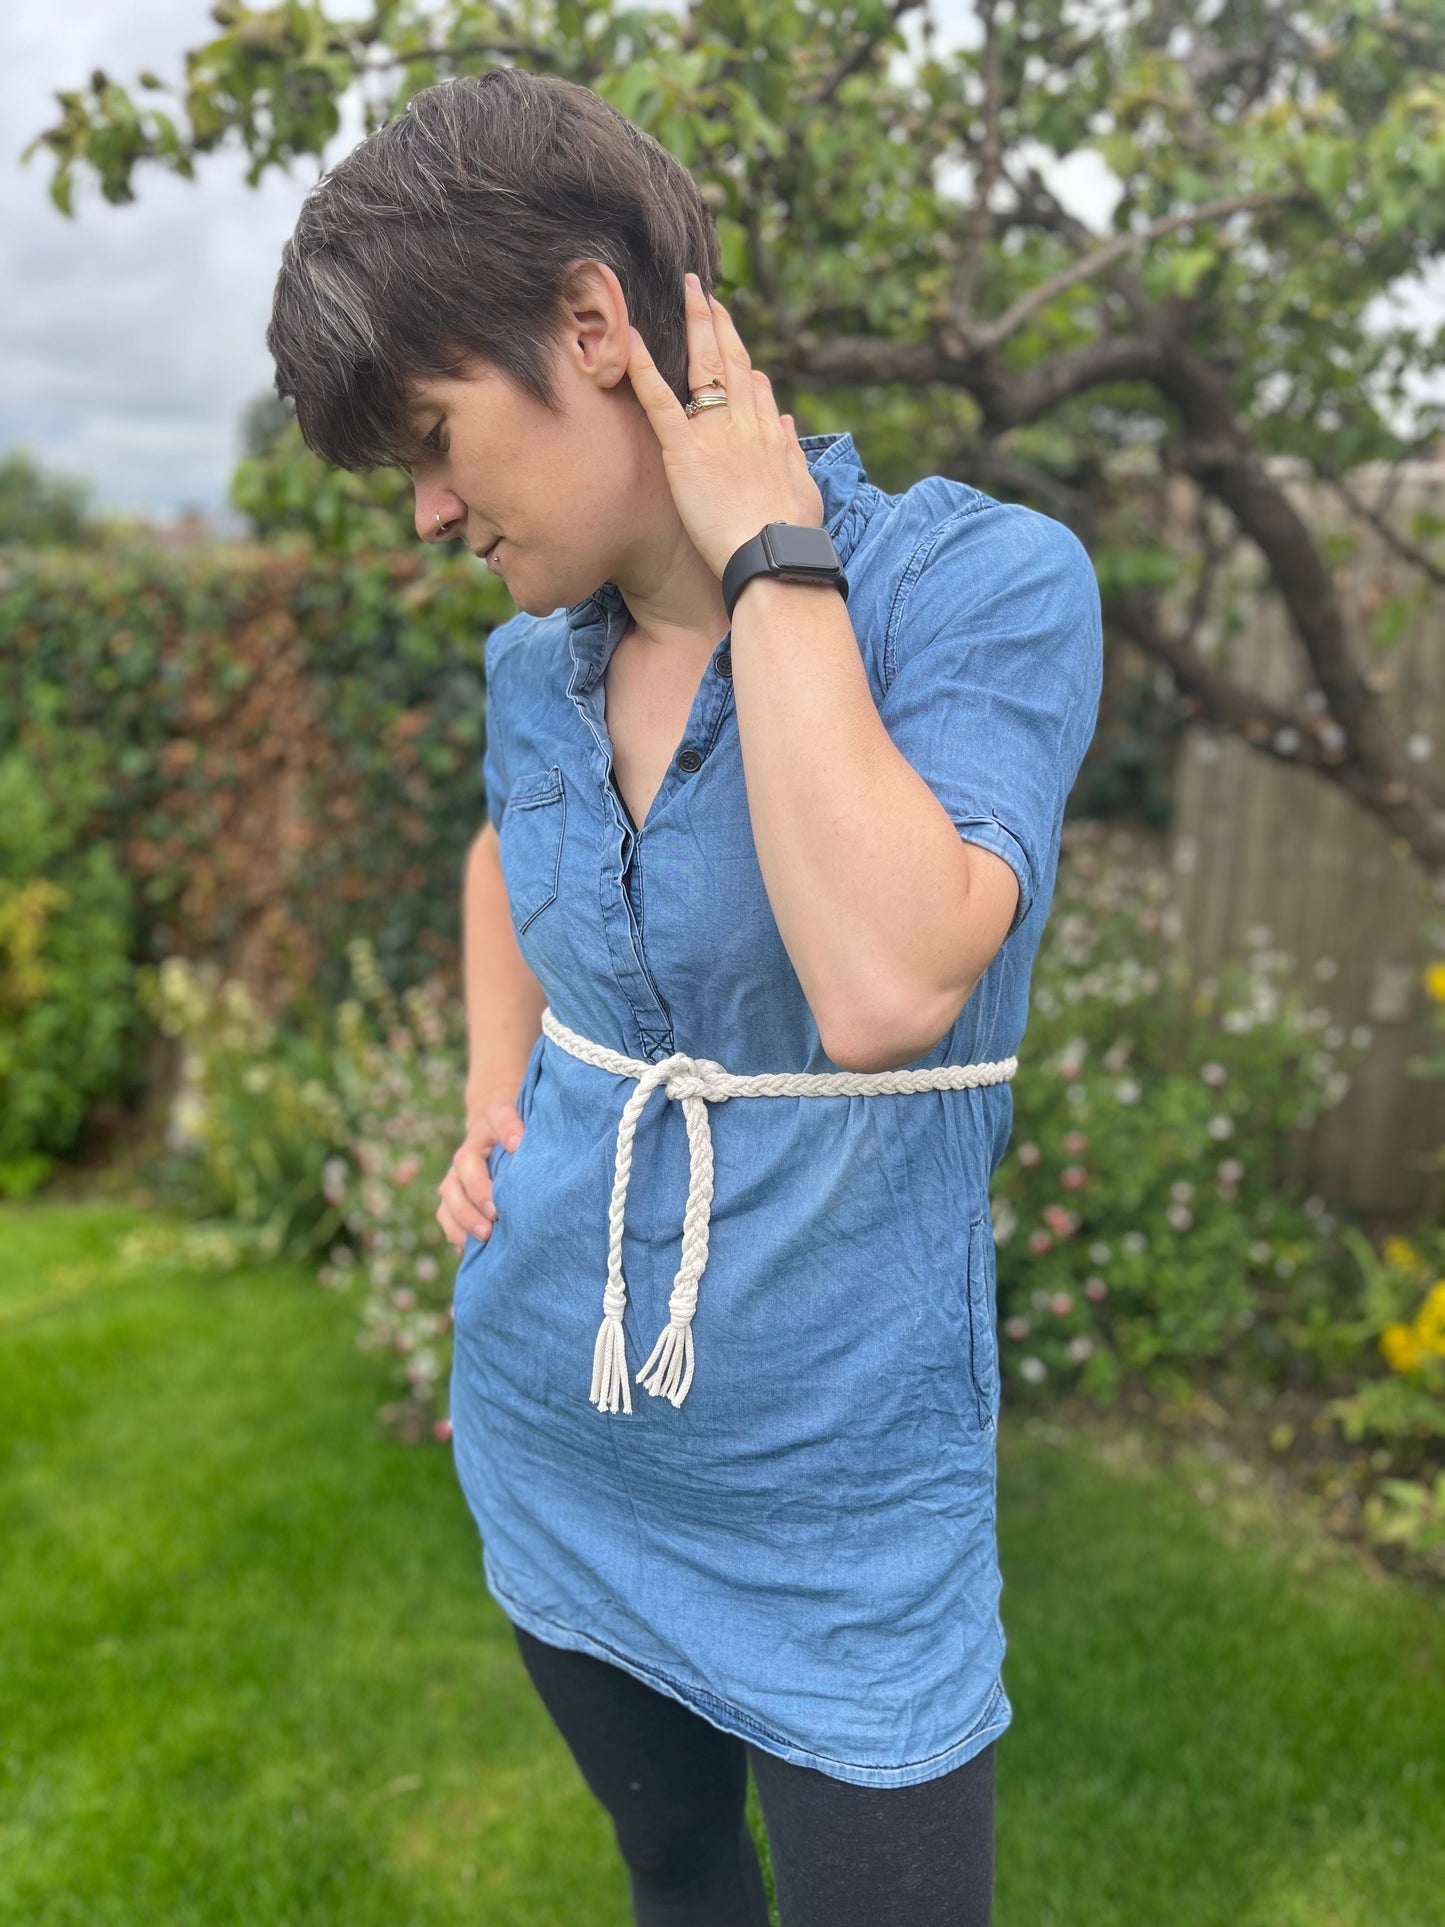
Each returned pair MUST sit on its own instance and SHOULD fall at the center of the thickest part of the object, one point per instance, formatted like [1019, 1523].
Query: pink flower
[1062, 1222]
[1040, 1242]
[1096, 1290]
[1061, 1304]
[405, 1171]
[1076, 1143]
[1017, 1328]
[1029, 1155]
[1073, 1177]
[442, 1430]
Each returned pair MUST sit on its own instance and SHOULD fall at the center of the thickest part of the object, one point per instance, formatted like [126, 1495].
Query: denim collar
[596, 623]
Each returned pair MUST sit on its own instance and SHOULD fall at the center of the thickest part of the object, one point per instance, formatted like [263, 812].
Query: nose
[437, 520]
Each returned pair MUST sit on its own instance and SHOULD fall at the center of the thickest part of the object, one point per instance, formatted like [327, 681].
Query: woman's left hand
[733, 469]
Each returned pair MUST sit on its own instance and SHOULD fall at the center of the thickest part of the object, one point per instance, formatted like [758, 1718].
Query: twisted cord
[695, 1082]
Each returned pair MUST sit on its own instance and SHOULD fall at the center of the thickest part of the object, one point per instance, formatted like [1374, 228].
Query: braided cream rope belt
[696, 1082]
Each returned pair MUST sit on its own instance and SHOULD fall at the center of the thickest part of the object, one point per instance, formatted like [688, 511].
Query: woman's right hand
[466, 1190]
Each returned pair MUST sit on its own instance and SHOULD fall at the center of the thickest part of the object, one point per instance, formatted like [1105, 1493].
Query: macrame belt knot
[696, 1082]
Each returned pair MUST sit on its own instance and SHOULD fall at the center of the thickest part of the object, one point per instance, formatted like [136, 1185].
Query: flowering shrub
[1143, 1213]
[258, 1110]
[308, 1148]
[400, 1073]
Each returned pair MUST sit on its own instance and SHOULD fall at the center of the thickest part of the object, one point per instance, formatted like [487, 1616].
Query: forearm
[504, 1001]
[865, 872]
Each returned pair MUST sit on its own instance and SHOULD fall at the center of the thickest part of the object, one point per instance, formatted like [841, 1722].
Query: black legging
[675, 1787]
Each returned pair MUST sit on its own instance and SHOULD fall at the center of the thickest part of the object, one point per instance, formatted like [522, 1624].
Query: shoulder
[972, 567]
[944, 554]
[536, 644]
[983, 546]
[506, 637]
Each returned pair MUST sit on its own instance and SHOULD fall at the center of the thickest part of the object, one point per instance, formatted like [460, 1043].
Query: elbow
[888, 1042]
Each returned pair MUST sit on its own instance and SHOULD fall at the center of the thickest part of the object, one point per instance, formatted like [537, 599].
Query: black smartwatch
[788, 551]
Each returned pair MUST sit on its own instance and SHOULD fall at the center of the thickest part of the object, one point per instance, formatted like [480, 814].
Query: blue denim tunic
[804, 1551]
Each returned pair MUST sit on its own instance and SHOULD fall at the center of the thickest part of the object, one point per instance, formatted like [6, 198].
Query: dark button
[689, 759]
[723, 662]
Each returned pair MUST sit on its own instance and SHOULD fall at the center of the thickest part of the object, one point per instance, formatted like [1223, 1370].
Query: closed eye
[431, 441]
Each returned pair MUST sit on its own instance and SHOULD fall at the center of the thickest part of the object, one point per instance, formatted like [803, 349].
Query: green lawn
[249, 1672]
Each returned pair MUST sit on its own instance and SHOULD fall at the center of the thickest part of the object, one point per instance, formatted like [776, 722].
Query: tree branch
[993, 334]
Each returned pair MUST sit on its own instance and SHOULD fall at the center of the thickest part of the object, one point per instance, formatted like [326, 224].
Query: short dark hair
[447, 233]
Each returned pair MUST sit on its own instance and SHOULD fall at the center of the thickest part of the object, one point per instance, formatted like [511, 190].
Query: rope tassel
[609, 1356]
[696, 1082]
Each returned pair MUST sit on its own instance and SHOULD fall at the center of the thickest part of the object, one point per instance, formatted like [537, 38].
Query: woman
[748, 942]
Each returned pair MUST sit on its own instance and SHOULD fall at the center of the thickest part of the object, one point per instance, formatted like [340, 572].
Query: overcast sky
[132, 337]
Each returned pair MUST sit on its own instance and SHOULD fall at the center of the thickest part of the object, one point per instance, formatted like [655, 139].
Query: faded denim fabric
[803, 1552]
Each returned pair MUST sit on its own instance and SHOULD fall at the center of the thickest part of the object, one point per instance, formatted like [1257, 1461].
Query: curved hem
[997, 1714]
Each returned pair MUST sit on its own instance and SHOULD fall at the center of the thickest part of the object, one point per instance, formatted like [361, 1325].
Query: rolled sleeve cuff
[990, 834]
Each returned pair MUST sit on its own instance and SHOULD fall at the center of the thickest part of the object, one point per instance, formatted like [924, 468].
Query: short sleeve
[495, 780]
[996, 646]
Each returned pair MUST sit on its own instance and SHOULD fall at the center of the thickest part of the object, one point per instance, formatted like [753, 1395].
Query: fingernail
[692, 281]
[491, 1211]
[513, 1141]
[481, 1230]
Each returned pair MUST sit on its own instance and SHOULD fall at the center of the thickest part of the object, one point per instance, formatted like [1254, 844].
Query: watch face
[800, 547]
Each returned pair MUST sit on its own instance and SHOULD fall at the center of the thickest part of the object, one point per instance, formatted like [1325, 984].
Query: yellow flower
[1401, 1347]
[1435, 982]
[1401, 1253]
[1430, 1325]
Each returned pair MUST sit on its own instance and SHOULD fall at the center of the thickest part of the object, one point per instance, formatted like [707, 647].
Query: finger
[472, 1176]
[454, 1233]
[737, 368]
[704, 356]
[664, 410]
[767, 401]
[470, 1204]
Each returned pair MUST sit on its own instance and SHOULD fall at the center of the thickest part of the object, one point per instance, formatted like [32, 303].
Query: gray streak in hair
[448, 234]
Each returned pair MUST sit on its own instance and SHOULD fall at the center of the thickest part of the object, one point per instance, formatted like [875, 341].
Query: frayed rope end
[672, 1357]
[609, 1368]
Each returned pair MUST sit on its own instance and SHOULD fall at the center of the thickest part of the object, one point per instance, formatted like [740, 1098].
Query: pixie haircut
[448, 234]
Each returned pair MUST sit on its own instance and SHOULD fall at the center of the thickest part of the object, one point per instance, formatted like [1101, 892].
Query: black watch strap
[789, 552]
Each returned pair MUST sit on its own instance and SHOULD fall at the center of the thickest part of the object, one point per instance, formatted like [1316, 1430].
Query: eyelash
[435, 446]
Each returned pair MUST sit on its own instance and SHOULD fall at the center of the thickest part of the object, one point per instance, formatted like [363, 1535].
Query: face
[574, 497]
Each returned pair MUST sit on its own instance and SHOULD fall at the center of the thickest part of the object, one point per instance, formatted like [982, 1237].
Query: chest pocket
[531, 843]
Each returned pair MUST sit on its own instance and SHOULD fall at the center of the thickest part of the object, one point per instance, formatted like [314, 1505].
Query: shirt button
[689, 760]
[723, 662]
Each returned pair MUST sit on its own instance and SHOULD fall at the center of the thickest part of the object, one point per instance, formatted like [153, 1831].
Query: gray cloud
[131, 337]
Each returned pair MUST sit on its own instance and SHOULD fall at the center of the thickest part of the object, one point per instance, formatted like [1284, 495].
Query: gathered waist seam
[695, 1082]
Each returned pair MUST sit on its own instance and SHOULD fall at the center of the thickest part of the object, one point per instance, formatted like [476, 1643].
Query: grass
[249, 1671]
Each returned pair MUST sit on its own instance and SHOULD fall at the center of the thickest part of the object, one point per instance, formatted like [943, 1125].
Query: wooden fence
[1256, 845]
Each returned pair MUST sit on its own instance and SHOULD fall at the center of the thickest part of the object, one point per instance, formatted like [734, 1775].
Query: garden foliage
[289, 742]
[69, 1030]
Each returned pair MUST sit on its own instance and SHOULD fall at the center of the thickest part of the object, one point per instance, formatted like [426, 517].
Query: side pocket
[983, 1319]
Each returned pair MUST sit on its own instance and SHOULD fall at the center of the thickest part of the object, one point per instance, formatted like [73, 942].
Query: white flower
[1080, 1348]
[1134, 1242]
[1099, 1252]
[1220, 1127]
[1033, 1369]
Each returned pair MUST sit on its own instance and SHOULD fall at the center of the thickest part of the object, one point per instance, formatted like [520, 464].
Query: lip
[484, 554]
